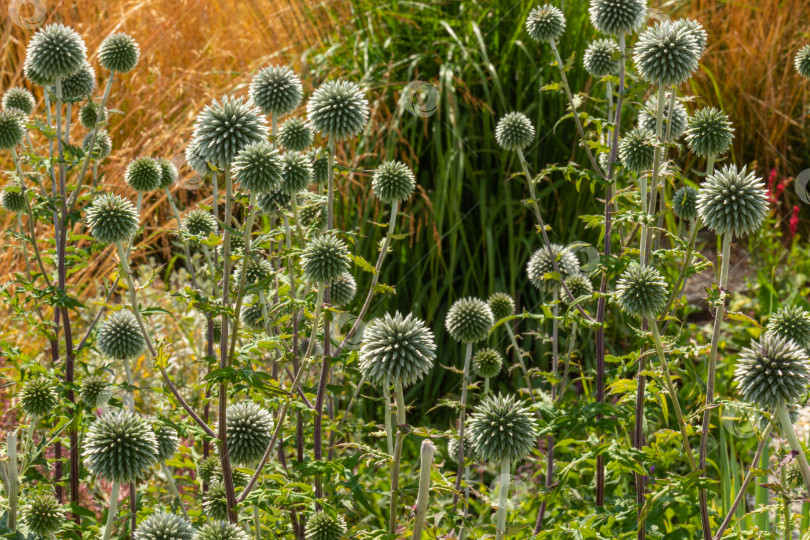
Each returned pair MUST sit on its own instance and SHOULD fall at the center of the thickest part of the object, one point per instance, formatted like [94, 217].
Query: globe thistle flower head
[225, 127]
[514, 131]
[487, 363]
[217, 327]
[325, 259]
[322, 526]
[697, 31]
[164, 526]
[120, 336]
[196, 159]
[38, 397]
[469, 320]
[258, 167]
[167, 441]
[648, 117]
[78, 86]
[19, 99]
[397, 349]
[13, 200]
[502, 428]
[320, 165]
[637, 150]
[143, 174]
[208, 469]
[42, 514]
[112, 219]
[618, 17]
[338, 109]
[709, 133]
[256, 270]
[667, 54]
[248, 430]
[101, 148]
[502, 305]
[214, 501]
[791, 322]
[312, 210]
[601, 58]
[295, 134]
[119, 53]
[120, 446]
[220, 530]
[89, 115]
[642, 291]
[393, 181]
[168, 173]
[452, 448]
[732, 201]
[95, 390]
[12, 129]
[274, 201]
[684, 203]
[296, 172]
[253, 316]
[802, 61]
[342, 290]
[545, 23]
[199, 222]
[276, 90]
[541, 263]
[579, 285]
[772, 371]
[55, 52]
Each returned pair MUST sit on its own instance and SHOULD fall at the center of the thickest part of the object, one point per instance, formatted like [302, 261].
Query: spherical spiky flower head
[220, 530]
[320, 165]
[164, 526]
[112, 219]
[667, 54]
[199, 222]
[312, 210]
[791, 322]
[514, 131]
[101, 148]
[120, 336]
[249, 430]
[43, 514]
[168, 173]
[143, 174]
[487, 363]
[296, 172]
[120, 446]
[696, 30]
[256, 270]
[546, 23]
[38, 397]
[601, 58]
[709, 133]
[338, 109]
[253, 316]
[13, 200]
[642, 291]
[322, 526]
[273, 202]
[89, 115]
[167, 441]
[95, 390]
[618, 17]
[502, 428]
[541, 263]
[295, 134]
[648, 117]
[276, 90]
[342, 290]
[12, 129]
[119, 53]
[452, 448]
[684, 203]
[772, 371]
[217, 324]
[214, 501]
[803, 61]
[208, 469]
[502, 305]
[325, 259]
[393, 181]
[224, 128]
[80, 85]
[579, 285]
[19, 99]
[469, 320]
[732, 201]
[196, 159]
[55, 52]
[258, 167]
[637, 150]
[397, 349]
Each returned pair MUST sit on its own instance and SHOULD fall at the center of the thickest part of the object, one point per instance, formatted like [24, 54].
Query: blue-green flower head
[199, 222]
[338, 109]
[772, 371]
[514, 131]
[697, 31]
[89, 115]
[502, 428]
[168, 173]
[120, 446]
[732, 201]
[602, 58]
[274, 201]
[120, 336]
[709, 133]
[12, 129]
[579, 285]
[487, 363]
[802, 61]
[258, 167]
[541, 264]
[253, 316]
[502, 305]
[469, 320]
[55, 52]
[648, 117]
[249, 429]
[13, 200]
[119, 53]
[164, 526]
[312, 210]
[96, 390]
[196, 159]
[226, 127]
[112, 219]
[143, 174]
[19, 99]
[667, 54]
[618, 17]
[167, 441]
[257, 270]
[641, 291]
[684, 203]
[637, 150]
[101, 148]
[208, 469]
[322, 526]
[78, 86]
[393, 181]
[220, 530]
[295, 134]
[791, 322]
[545, 23]
[320, 165]
[42, 514]
[296, 172]
[342, 290]
[214, 501]
[397, 349]
[276, 90]
[38, 397]
[325, 259]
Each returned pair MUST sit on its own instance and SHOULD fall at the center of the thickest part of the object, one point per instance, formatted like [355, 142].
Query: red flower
[794, 220]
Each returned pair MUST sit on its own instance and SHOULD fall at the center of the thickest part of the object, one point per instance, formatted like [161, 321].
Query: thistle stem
[687, 261]
[790, 434]
[112, 512]
[399, 395]
[428, 450]
[465, 382]
[389, 428]
[503, 490]
[571, 342]
[13, 487]
[185, 246]
[649, 202]
[519, 358]
[173, 488]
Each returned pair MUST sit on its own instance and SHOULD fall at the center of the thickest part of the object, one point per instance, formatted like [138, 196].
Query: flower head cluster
[167, 441]
[120, 446]
[296, 172]
[648, 117]
[164, 526]
[101, 148]
[501, 428]
[514, 131]
[579, 285]
[803, 61]
[295, 134]
[19, 99]
[342, 290]
[541, 263]
[168, 173]
[684, 203]
[487, 363]
[143, 174]
[80, 85]
[43, 514]
[199, 222]
[322, 526]
[501, 304]
[12, 129]
[38, 397]
[13, 200]
[773, 371]
[469, 320]
[55, 52]
[325, 259]
[89, 115]
[95, 390]
[397, 349]
[637, 150]
[320, 165]
[642, 291]
[220, 530]
[258, 167]
[732, 201]
[274, 201]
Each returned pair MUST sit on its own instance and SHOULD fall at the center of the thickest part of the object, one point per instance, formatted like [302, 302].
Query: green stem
[787, 430]
[173, 488]
[389, 426]
[465, 382]
[400, 399]
[687, 262]
[571, 342]
[112, 513]
[503, 490]
[519, 358]
[185, 246]
[650, 202]
[13, 488]
[428, 451]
